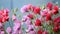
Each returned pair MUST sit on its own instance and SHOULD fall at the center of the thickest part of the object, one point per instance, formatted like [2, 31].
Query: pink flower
[28, 22]
[25, 18]
[1, 25]
[2, 32]
[15, 32]
[9, 30]
[32, 32]
[13, 17]
[15, 28]
[29, 7]
[24, 9]
[44, 12]
[31, 16]
[54, 12]
[6, 10]
[45, 32]
[20, 31]
[30, 28]
[33, 7]
[17, 25]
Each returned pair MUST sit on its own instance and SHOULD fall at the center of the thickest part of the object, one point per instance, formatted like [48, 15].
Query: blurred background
[19, 3]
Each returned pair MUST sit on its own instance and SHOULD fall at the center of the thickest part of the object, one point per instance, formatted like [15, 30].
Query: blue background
[19, 3]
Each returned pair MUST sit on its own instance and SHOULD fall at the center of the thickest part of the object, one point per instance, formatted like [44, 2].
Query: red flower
[49, 5]
[45, 32]
[59, 26]
[55, 29]
[48, 17]
[30, 16]
[0, 19]
[54, 11]
[38, 22]
[56, 8]
[37, 10]
[4, 15]
[39, 32]
[57, 21]
[56, 24]
[33, 7]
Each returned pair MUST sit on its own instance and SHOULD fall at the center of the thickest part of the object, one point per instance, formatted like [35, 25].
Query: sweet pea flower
[44, 12]
[6, 10]
[49, 5]
[48, 17]
[39, 32]
[17, 25]
[56, 8]
[2, 32]
[38, 22]
[30, 28]
[13, 17]
[37, 10]
[15, 32]
[24, 9]
[8, 30]
[57, 21]
[1, 24]
[32, 8]
[32, 32]
[28, 22]
[15, 28]
[20, 31]
[30, 16]
[45, 32]
[4, 16]
[29, 7]
[54, 12]
[55, 29]
[25, 18]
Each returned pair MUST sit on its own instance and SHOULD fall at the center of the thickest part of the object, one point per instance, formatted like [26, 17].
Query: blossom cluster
[3, 18]
[37, 20]
[45, 17]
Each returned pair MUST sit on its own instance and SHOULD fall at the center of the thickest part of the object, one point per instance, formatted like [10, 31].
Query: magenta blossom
[30, 27]
[25, 18]
[1, 25]
[44, 12]
[17, 25]
[32, 32]
[2, 32]
[24, 9]
[13, 17]
[9, 30]
[28, 22]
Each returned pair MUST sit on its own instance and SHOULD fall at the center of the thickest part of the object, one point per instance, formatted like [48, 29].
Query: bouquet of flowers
[34, 20]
